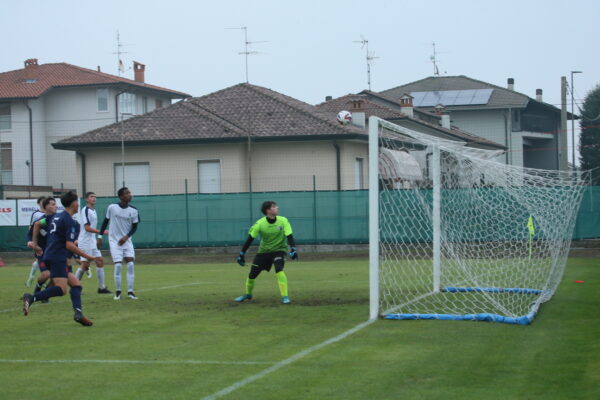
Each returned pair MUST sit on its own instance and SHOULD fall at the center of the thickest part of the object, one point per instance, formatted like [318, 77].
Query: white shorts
[119, 253]
[92, 252]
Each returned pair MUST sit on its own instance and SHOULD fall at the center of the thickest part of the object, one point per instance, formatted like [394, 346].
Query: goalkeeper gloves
[293, 253]
[241, 259]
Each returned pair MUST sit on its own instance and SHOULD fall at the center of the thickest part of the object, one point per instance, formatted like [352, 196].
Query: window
[137, 178]
[6, 164]
[359, 182]
[144, 105]
[5, 122]
[516, 120]
[209, 176]
[127, 103]
[159, 103]
[102, 99]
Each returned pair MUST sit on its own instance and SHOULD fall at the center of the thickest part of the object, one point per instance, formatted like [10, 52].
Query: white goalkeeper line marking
[286, 362]
[174, 362]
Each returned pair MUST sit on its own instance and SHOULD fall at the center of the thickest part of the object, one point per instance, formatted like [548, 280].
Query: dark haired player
[41, 237]
[36, 215]
[274, 230]
[88, 242]
[61, 241]
[123, 219]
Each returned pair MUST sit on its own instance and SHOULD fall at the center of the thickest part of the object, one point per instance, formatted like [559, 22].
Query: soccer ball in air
[344, 117]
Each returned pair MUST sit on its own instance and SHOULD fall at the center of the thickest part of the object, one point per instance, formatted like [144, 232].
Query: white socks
[79, 273]
[100, 272]
[34, 267]
[130, 276]
[118, 276]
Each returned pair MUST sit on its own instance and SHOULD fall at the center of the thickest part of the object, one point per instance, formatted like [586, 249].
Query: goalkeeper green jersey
[273, 234]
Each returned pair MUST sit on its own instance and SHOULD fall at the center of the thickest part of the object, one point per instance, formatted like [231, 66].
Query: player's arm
[293, 250]
[241, 258]
[37, 226]
[72, 247]
[104, 226]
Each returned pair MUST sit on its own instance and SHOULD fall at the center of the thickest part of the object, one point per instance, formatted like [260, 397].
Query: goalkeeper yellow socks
[249, 285]
[282, 280]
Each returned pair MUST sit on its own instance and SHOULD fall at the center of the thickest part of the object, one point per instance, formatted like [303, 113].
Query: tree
[589, 143]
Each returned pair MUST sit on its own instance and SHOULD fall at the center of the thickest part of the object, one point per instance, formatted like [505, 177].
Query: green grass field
[185, 338]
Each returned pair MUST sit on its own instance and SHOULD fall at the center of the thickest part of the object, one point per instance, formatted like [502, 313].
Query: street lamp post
[573, 118]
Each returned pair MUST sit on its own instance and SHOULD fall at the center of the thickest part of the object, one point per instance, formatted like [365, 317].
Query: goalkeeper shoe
[286, 300]
[81, 319]
[243, 298]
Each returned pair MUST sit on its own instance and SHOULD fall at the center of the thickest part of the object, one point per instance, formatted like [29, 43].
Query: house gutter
[338, 165]
[30, 141]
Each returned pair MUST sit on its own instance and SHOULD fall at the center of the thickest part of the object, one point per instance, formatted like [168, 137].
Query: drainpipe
[506, 134]
[83, 179]
[338, 166]
[30, 142]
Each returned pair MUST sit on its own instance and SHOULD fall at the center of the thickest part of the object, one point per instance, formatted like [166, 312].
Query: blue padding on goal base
[452, 289]
[522, 320]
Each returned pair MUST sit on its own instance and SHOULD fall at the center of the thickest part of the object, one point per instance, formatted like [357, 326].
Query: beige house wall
[280, 166]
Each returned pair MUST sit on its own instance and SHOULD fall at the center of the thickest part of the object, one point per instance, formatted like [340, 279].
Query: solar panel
[451, 97]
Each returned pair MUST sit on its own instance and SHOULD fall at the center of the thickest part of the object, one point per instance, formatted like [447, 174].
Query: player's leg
[43, 278]
[31, 277]
[258, 264]
[129, 254]
[279, 261]
[75, 293]
[83, 267]
[117, 256]
[59, 274]
[100, 272]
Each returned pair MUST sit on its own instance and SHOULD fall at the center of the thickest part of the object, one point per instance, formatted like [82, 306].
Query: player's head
[39, 202]
[70, 200]
[124, 194]
[269, 208]
[90, 198]
[49, 205]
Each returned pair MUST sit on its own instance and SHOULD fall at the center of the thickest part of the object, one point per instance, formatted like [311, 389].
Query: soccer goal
[455, 234]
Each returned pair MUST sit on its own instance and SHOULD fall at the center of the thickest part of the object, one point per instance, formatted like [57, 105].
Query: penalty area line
[287, 361]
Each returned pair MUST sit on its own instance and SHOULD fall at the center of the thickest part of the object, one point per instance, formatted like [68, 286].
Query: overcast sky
[309, 51]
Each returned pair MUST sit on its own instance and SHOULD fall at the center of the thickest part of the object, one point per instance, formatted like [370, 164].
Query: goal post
[455, 234]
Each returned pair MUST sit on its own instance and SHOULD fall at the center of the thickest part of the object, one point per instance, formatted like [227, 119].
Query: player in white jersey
[37, 214]
[89, 242]
[123, 219]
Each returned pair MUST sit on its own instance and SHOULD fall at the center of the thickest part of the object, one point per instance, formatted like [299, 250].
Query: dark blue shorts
[58, 269]
[41, 264]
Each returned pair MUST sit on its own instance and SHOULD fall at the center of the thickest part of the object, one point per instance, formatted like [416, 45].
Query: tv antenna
[120, 45]
[434, 61]
[370, 56]
[247, 43]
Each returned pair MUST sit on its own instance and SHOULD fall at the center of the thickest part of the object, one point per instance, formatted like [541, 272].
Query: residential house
[244, 138]
[528, 127]
[45, 103]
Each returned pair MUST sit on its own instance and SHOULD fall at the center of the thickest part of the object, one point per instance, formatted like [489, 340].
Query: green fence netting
[317, 217]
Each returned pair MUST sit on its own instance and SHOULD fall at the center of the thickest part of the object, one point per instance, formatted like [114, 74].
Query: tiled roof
[500, 98]
[236, 112]
[371, 106]
[49, 76]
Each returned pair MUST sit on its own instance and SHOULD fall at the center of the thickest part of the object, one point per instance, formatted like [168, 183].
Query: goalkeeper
[273, 230]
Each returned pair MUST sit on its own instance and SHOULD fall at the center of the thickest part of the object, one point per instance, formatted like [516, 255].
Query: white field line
[286, 362]
[174, 362]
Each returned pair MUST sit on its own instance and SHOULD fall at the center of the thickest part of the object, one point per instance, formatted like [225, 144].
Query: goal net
[455, 234]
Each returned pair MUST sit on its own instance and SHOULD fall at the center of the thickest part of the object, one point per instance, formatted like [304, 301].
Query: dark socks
[52, 291]
[75, 293]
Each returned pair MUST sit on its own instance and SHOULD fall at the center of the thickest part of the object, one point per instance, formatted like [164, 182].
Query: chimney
[328, 98]
[439, 109]
[138, 71]
[538, 95]
[446, 121]
[511, 84]
[99, 69]
[406, 105]
[31, 70]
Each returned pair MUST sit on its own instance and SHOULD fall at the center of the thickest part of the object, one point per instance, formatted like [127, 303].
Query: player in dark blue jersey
[41, 236]
[36, 215]
[61, 241]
